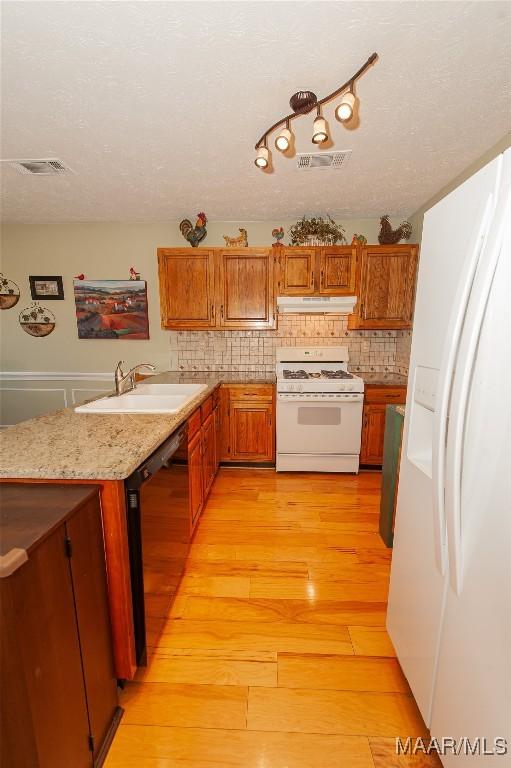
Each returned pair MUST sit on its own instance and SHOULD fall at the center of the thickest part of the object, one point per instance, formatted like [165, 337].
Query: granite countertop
[65, 445]
[382, 379]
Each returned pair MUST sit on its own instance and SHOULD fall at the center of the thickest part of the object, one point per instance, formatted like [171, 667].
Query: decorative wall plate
[9, 293]
[36, 320]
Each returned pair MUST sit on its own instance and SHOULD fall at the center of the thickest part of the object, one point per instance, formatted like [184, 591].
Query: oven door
[318, 426]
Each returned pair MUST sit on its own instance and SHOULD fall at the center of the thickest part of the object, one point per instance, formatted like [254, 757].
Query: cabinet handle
[222, 311]
[212, 310]
[312, 278]
[322, 275]
[362, 310]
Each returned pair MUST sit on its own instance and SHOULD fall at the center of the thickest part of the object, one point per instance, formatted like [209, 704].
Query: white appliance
[449, 613]
[338, 305]
[319, 410]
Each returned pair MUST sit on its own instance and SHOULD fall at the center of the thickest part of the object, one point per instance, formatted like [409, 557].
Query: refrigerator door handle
[461, 392]
[445, 378]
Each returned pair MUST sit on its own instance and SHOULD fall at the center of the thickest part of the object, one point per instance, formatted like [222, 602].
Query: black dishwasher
[158, 518]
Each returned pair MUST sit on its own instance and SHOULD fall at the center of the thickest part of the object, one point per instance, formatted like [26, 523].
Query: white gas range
[319, 410]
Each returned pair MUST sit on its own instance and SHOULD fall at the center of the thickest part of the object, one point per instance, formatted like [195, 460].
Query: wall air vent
[48, 166]
[310, 161]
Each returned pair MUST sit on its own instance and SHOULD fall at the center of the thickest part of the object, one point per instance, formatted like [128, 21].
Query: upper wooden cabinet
[296, 271]
[329, 271]
[187, 287]
[216, 288]
[246, 292]
[338, 268]
[386, 287]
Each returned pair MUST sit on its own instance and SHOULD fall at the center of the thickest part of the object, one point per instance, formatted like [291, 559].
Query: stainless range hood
[338, 305]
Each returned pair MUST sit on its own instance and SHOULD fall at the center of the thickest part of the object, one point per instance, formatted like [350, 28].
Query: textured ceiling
[157, 105]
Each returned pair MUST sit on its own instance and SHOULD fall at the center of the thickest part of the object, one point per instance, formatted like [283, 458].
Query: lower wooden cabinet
[203, 453]
[208, 432]
[376, 400]
[248, 424]
[195, 478]
[58, 686]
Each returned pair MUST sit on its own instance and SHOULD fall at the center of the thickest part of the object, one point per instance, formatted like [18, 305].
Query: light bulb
[262, 158]
[344, 111]
[283, 140]
[319, 131]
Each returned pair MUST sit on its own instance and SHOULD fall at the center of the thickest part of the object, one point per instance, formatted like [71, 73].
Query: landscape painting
[111, 309]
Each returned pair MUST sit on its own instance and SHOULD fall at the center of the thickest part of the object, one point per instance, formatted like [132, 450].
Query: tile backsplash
[255, 350]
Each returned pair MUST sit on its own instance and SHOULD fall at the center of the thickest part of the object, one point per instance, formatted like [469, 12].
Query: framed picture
[49, 288]
[111, 309]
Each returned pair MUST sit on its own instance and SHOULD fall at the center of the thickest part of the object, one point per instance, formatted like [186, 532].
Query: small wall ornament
[317, 231]
[36, 320]
[196, 234]
[389, 236]
[359, 240]
[9, 293]
[237, 242]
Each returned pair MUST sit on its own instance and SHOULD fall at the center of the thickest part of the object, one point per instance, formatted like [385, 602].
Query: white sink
[137, 401]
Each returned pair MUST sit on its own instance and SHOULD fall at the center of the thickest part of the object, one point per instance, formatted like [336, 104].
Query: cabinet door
[218, 437]
[91, 599]
[373, 432]
[387, 287]
[246, 290]
[208, 453]
[195, 478]
[251, 431]
[296, 271]
[187, 287]
[338, 270]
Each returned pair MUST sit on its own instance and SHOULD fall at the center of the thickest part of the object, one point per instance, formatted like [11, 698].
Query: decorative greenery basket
[317, 231]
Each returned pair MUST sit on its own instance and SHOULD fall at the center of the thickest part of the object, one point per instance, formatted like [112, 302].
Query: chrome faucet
[125, 382]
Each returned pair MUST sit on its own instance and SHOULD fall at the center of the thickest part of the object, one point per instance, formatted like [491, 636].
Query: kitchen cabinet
[386, 277]
[187, 287]
[246, 292]
[217, 288]
[325, 271]
[248, 431]
[208, 433]
[195, 478]
[376, 400]
[203, 453]
[59, 690]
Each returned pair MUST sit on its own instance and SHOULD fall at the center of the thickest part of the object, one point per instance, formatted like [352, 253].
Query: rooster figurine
[196, 234]
[389, 236]
[278, 234]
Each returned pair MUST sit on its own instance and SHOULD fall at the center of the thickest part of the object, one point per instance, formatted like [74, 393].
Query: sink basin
[137, 401]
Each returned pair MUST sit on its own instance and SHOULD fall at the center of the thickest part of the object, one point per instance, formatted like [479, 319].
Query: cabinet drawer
[206, 408]
[250, 391]
[194, 422]
[385, 395]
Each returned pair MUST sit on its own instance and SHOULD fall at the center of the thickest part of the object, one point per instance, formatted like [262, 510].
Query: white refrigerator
[449, 613]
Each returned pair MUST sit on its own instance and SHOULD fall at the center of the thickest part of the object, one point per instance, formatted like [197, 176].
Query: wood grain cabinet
[195, 478]
[59, 691]
[203, 453]
[248, 424]
[187, 287]
[216, 288]
[376, 400]
[246, 292]
[386, 287]
[326, 271]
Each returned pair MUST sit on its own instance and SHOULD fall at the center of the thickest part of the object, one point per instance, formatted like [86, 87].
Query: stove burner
[340, 374]
[296, 374]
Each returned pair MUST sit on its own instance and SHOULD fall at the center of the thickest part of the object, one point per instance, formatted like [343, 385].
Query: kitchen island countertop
[65, 445]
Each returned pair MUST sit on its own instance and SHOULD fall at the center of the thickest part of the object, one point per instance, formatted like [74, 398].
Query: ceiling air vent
[314, 160]
[48, 166]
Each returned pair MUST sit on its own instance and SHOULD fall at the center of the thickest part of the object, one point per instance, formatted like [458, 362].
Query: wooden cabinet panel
[187, 287]
[251, 431]
[376, 400]
[208, 453]
[91, 599]
[218, 436]
[337, 270]
[250, 391]
[195, 478]
[387, 276]
[373, 431]
[246, 291]
[296, 271]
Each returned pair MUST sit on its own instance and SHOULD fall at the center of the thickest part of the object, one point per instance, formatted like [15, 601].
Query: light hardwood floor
[275, 654]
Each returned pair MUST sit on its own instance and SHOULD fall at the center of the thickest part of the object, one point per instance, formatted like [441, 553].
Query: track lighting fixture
[319, 131]
[344, 111]
[304, 102]
[283, 140]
